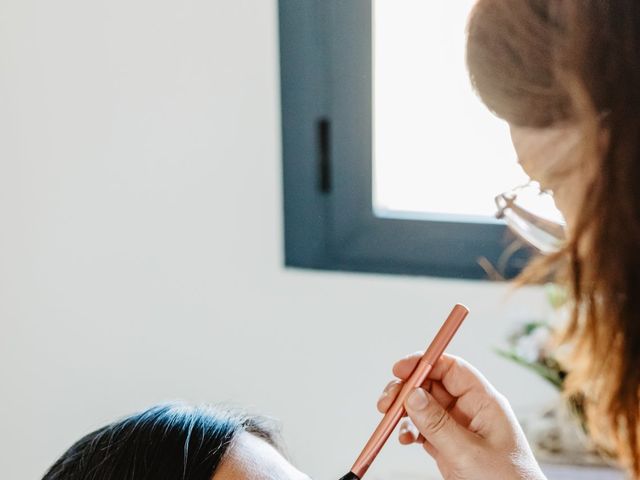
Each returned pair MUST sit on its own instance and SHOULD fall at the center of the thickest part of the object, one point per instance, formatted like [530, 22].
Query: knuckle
[395, 384]
[500, 401]
[391, 386]
[436, 421]
[458, 364]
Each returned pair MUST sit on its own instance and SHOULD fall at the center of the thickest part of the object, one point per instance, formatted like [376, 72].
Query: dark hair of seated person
[166, 442]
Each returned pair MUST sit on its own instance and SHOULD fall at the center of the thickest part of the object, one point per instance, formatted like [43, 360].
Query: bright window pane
[437, 150]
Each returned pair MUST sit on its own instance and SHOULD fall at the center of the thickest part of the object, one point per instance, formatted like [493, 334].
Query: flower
[529, 342]
[531, 347]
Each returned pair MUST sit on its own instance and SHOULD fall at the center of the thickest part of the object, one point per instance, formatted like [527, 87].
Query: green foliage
[550, 371]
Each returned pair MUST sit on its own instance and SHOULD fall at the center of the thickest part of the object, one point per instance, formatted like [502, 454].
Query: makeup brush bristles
[350, 476]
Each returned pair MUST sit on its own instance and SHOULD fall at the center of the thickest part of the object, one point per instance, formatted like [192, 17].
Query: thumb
[436, 425]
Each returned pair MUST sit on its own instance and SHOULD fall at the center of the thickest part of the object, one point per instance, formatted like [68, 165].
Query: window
[390, 161]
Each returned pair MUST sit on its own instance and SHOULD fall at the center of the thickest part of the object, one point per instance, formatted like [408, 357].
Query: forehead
[251, 458]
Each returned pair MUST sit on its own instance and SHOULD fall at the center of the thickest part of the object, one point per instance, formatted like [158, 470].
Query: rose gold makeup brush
[416, 379]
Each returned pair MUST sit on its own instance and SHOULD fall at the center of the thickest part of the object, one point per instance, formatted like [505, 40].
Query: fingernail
[418, 400]
[387, 390]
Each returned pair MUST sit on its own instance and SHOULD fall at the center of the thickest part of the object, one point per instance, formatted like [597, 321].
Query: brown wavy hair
[542, 63]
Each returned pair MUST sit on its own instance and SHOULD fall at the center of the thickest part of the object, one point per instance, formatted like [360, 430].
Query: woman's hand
[463, 423]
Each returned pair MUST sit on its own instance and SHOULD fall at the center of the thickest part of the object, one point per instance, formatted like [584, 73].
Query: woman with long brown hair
[565, 75]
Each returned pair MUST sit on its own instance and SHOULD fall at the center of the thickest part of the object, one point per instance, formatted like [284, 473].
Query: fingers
[444, 398]
[409, 434]
[456, 415]
[440, 430]
[404, 368]
[459, 377]
[455, 374]
[475, 402]
[391, 391]
[436, 389]
[389, 395]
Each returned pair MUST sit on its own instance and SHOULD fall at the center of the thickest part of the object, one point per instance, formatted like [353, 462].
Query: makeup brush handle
[416, 379]
[389, 422]
[445, 334]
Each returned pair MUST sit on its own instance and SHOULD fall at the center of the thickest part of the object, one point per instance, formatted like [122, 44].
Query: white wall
[141, 244]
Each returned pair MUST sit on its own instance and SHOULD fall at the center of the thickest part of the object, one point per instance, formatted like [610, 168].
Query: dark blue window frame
[326, 88]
